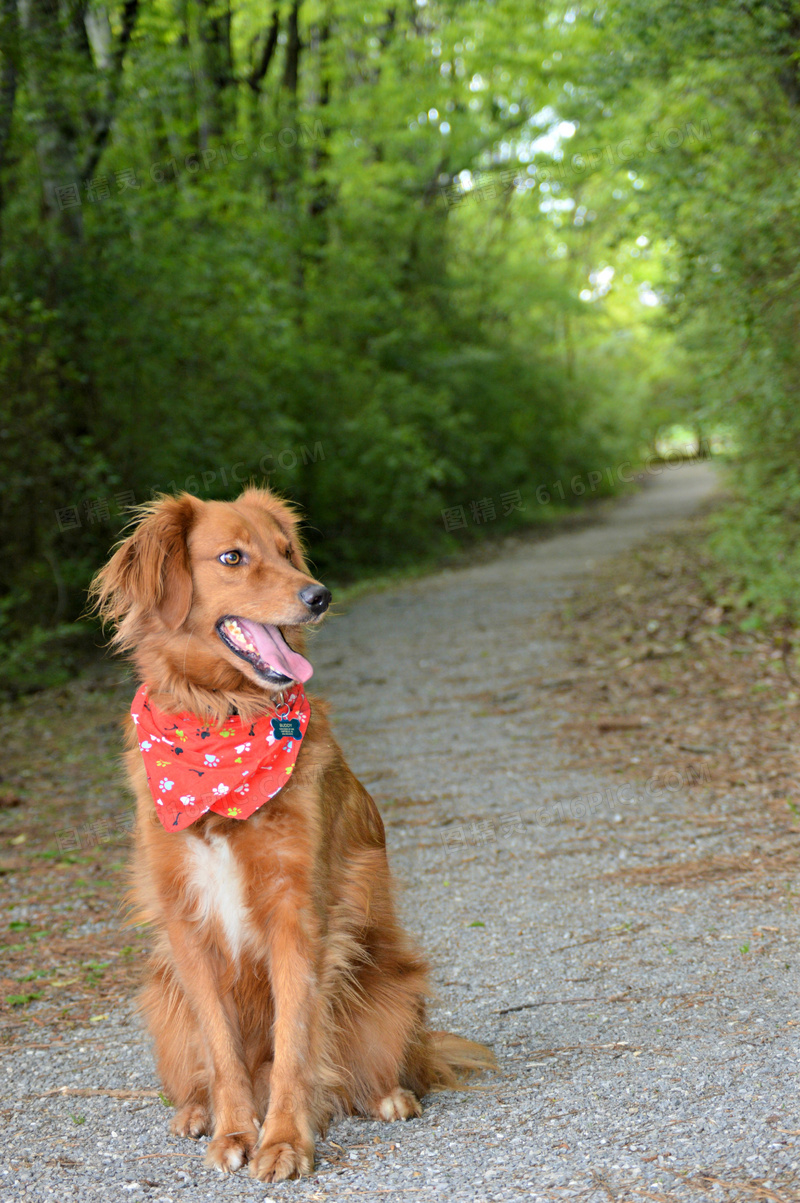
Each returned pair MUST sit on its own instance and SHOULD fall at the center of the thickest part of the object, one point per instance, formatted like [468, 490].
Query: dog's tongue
[275, 651]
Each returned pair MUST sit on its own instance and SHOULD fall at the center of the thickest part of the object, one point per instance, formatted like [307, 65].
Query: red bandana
[232, 770]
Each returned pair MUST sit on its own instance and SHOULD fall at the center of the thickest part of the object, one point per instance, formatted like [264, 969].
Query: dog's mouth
[264, 647]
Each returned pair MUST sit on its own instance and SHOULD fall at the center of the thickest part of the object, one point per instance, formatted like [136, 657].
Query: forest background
[433, 269]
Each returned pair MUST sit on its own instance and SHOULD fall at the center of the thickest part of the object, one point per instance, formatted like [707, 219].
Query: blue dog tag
[286, 728]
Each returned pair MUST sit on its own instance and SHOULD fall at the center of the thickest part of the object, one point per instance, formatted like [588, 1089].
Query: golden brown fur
[292, 993]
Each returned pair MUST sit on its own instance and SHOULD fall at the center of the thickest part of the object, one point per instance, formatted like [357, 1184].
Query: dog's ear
[150, 570]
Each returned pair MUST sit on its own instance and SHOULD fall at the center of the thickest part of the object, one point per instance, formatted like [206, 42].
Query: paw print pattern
[193, 767]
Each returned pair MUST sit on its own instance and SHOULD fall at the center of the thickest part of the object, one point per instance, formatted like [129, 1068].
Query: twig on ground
[560, 1002]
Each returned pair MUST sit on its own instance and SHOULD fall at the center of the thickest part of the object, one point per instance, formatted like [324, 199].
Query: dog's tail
[444, 1061]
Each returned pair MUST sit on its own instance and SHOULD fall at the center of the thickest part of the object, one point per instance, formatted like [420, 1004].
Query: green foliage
[724, 207]
[22, 1000]
[759, 544]
[229, 255]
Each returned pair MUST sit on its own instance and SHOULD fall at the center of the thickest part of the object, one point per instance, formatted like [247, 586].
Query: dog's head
[214, 592]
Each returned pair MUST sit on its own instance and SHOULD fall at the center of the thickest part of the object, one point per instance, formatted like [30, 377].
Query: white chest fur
[215, 883]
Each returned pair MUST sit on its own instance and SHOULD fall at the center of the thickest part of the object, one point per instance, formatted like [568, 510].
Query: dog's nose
[316, 597]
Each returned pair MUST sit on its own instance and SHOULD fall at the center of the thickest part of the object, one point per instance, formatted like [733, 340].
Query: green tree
[299, 242]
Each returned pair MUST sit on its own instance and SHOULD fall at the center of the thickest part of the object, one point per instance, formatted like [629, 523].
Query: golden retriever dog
[281, 990]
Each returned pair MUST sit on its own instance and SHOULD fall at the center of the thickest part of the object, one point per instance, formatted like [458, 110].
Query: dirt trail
[646, 1052]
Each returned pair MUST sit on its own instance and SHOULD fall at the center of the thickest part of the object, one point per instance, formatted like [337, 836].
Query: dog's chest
[216, 887]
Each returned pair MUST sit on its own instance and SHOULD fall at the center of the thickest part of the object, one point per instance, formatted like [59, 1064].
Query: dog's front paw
[191, 1120]
[277, 1162]
[400, 1104]
[230, 1152]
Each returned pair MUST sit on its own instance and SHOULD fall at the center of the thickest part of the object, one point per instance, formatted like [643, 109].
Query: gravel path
[643, 1055]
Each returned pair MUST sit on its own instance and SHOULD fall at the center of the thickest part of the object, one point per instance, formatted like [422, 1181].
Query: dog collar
[231, 770]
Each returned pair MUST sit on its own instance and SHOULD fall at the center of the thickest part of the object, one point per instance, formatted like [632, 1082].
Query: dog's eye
[288, 553]
[231, 557]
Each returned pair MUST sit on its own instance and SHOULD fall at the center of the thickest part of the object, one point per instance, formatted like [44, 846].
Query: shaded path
[643, 1056]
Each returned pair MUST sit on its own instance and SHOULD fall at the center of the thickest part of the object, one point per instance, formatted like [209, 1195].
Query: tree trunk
[321, 194]
[291, 70]
[216, 70]
[104, 119]
[56, 136]
[270, 45]
[9, 70]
